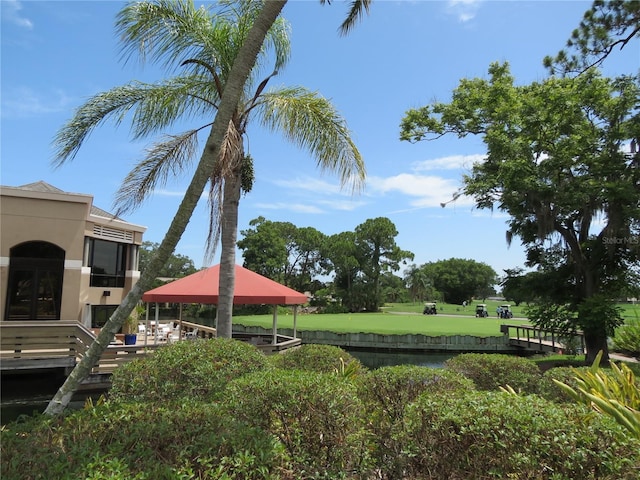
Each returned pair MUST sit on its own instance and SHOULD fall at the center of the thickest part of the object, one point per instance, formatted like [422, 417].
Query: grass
[384, 323]
[407, 318]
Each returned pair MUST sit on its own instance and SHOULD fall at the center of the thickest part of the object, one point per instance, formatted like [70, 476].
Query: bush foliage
[483, 435]
[197, 369]
[317, 358]
[492, 371]
[627, 338]
[217, 410]
[125, 441]
[387, 391]
[317, 417]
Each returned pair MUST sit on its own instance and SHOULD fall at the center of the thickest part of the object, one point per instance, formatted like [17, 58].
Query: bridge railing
[536, 338]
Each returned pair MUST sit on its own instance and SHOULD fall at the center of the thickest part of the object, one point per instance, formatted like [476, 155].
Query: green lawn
[407, 318]
[384, 323]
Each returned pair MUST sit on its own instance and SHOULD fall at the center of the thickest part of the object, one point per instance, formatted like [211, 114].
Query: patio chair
[174, 336]
[163, 332]
[192, 335]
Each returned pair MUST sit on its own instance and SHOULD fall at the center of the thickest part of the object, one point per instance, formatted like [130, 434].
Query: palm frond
[178, 98]
[216, 195]
[170, 157]
[311, 121]
[116, 102]
[357, 10]
[163, 31]
[155, 105]
[172, 32]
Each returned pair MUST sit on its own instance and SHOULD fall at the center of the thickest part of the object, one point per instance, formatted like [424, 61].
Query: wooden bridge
[542, 340]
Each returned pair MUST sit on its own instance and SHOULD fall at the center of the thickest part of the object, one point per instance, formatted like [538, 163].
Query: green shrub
[386, 393]
[132, 441]
[317, 358]
[316, 416]
[490, 371]
[194, 370]
[551, 391]
[627, 338]
[482, 435]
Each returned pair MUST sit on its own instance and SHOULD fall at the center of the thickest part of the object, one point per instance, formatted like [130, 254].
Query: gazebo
[250, 289]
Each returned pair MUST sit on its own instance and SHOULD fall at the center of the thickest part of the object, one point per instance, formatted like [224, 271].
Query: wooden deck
[41, 345]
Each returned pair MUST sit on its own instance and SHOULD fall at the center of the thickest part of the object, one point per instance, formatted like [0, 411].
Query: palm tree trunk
[227, 280]
[238, 76]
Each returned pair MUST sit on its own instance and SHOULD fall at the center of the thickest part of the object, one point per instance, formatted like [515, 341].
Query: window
[108, 263]
[36, 271]
[100, 314]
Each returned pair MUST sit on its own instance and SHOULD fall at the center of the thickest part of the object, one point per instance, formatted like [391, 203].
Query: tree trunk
[227, 280]
[595, 342]
[235, 84]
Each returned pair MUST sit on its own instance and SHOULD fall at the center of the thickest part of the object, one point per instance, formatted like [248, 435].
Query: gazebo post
[157, 323]
[295, 319]
[274, 341]
[146, 324]
[180, 322]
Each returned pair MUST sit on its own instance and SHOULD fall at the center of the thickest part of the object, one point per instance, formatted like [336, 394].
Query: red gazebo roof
[202, 287]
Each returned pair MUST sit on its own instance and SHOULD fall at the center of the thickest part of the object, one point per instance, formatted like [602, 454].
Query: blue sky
[405, 54]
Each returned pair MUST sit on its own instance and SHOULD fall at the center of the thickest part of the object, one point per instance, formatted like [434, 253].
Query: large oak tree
[559, 164]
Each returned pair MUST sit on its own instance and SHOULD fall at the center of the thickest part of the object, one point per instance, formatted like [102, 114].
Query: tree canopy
[177, 265]
[606, 27]
[362, 261]
[283, 252]
[459, 279]
[559, 163]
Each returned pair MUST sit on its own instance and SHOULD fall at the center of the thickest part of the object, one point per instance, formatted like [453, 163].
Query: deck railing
[32, 345]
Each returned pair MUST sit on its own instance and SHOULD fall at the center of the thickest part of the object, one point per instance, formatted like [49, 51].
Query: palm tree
[71, 137]
[302, 116]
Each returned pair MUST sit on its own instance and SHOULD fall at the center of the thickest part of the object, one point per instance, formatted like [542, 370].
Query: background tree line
[357, 268]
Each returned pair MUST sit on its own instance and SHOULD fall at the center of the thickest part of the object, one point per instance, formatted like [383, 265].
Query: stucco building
[62, 258]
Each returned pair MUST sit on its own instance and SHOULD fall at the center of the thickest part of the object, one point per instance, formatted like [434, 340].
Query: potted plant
[130, 327]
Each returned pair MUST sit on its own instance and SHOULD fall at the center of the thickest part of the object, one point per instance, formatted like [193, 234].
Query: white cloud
[24, 102]
[452, 162]
[11, 12]
[426, 190]
[309, 184]
[464, 10]
[293, 207]
[343, 205]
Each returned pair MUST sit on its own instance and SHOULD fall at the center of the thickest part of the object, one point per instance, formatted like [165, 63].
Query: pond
[29, 394]
[385, 358]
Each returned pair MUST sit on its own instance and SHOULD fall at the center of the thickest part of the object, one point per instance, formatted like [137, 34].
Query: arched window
[36, 271]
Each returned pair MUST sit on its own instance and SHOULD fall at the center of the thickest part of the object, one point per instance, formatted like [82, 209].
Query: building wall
[64, 220]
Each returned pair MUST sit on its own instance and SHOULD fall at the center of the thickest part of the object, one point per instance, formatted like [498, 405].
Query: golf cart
[481, 310]
[430, 308]
[505, 311]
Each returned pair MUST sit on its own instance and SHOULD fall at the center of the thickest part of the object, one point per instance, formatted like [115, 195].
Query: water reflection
[30, 394]
[376, 359]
